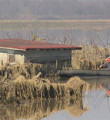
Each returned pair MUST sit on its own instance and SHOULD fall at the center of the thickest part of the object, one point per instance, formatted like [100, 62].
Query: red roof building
[21, 51]
[27, 44]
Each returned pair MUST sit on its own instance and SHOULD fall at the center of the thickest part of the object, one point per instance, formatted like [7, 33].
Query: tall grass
[56, 24]
[90, 57]
[25, 89]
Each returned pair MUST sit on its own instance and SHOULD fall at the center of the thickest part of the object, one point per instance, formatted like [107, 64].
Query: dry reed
[25, 89]
[11, 72]
[89, 57]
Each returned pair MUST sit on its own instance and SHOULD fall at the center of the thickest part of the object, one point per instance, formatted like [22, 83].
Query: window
[11, 58]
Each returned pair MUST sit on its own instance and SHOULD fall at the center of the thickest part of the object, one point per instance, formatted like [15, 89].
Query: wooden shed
[18, 51]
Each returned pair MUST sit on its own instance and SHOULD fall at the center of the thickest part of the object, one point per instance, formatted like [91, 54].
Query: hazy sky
[55, 9]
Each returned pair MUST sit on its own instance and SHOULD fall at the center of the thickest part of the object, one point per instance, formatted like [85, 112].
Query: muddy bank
[25, 89]
[36, 110]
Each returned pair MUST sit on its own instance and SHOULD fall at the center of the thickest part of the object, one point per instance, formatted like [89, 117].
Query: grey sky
[54, 9]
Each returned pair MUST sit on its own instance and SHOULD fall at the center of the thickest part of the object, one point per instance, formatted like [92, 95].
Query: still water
[62, 36]
[94, 105]
[95, 102]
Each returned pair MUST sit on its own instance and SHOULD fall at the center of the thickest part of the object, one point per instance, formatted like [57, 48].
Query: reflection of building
[42, 108]
[17, 51]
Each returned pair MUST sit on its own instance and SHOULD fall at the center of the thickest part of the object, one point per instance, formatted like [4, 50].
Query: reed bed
[90, 57]
[11, 72]
[25, 89]
[56, 24]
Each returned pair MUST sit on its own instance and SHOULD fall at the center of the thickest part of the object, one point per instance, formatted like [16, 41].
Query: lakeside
[54, 24]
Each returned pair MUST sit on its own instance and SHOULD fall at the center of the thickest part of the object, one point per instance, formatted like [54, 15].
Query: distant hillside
[54, 9]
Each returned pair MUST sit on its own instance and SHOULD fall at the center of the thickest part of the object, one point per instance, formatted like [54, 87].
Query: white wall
[19, 59]
[4, 56]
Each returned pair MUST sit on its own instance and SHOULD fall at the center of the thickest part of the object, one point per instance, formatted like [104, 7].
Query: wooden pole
[56, 64]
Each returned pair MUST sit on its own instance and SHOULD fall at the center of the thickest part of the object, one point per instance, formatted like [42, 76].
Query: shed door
[11, 58]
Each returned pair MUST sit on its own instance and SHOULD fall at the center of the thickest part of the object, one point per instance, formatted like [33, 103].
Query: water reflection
[37, 110]
[96, 99]
[94, 105]
[97, 90]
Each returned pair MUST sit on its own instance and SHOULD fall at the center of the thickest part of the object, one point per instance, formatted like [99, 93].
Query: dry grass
[89, 57]
[23, 89]
[11, 72]
[56, 24]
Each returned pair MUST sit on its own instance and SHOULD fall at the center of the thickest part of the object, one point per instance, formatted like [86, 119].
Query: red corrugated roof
[27, 44]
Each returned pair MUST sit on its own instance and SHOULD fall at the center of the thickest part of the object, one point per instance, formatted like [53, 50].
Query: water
[96, 100]
[95, 105]
[62, 36]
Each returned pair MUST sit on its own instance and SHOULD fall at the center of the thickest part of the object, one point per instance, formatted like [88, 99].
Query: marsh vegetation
[21, 88]
[54, 24]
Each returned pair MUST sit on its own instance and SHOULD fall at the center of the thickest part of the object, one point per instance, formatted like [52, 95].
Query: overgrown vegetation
[25, 89]
[90, 57]
[11, 72]
[53, 24]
